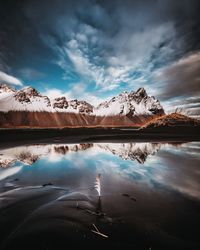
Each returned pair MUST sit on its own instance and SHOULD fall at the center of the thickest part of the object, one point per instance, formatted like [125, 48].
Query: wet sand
[53, 218]
[65, 212]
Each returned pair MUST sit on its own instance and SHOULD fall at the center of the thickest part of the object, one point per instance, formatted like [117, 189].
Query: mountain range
[29, 108]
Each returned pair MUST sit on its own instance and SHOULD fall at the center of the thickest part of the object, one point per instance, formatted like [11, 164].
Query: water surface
[150, 196]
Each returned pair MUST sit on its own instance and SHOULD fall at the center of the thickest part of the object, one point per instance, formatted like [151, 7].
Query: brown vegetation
[172, 120]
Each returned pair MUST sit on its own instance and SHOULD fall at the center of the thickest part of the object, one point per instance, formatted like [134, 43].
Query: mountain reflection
[30, 154]
[100, 190]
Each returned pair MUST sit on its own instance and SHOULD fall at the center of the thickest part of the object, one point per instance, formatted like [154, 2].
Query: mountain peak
[60, 103]
[31, 91]
[128, 104]
[142, 92]
[6, 88]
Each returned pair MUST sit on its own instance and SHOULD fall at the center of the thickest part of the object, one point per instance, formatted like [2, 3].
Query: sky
[93, 50]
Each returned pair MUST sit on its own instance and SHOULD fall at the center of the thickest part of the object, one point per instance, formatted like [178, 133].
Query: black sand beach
[147, 203]
[21, 135]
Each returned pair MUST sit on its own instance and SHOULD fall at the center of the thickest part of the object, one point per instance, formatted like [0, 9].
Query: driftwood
[96, 231]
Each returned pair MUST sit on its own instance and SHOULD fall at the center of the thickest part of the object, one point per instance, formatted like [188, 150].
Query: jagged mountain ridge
[29, 108]
[29, 99]
[130, 103]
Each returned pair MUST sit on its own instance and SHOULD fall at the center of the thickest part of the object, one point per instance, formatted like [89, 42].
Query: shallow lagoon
[150, 196]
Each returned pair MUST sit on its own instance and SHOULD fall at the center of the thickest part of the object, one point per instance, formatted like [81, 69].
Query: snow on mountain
[29, 99]
[6, 90]
[132, 103]
[26, 99]
[81, 106]
[60, 104]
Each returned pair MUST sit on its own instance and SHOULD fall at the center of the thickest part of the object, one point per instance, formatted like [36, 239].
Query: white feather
[97, 185]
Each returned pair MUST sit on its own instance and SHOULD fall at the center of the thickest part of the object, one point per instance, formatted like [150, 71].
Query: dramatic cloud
[182, 78]
[106, 46]
[5, 78]
[105, 59]
[179, 85]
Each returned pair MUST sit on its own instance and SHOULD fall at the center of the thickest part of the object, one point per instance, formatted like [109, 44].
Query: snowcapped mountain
[5, 89]
[28, 107]
[29, 99]
[132, 103]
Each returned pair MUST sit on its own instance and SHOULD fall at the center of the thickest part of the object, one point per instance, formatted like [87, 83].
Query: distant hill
[172, 120]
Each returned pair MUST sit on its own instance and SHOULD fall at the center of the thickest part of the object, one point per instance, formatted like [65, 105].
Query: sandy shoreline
[53, 218]
[10, 137]
[53, 205]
